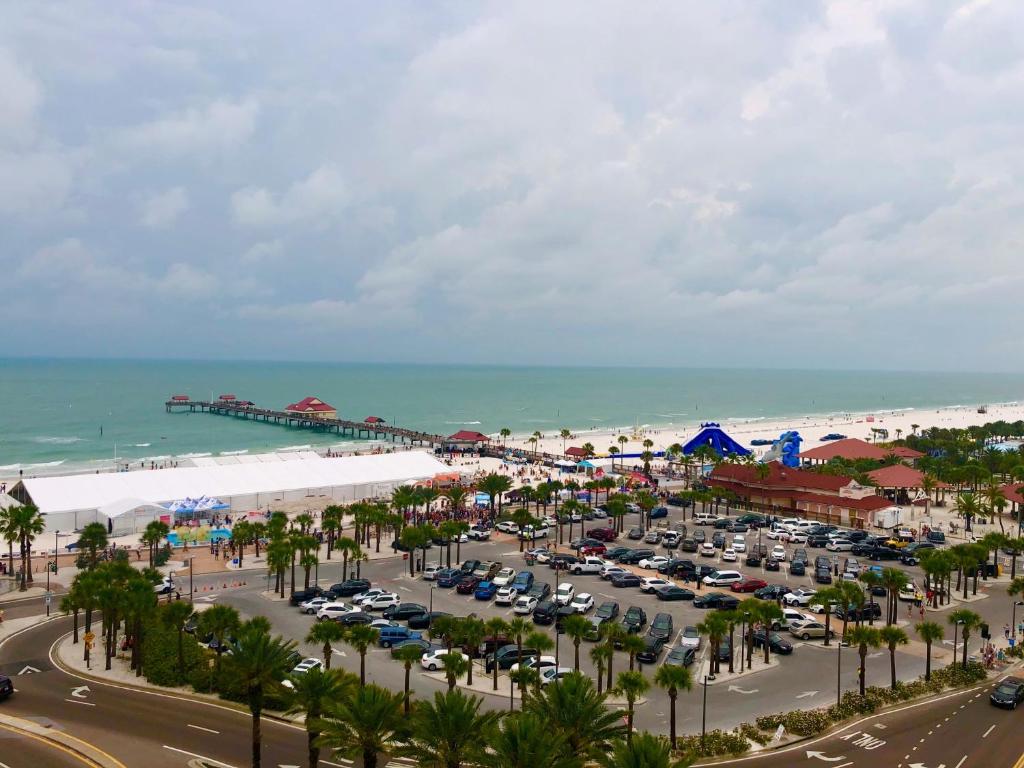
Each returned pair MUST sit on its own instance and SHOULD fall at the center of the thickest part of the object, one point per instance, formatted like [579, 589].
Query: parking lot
[799, 678]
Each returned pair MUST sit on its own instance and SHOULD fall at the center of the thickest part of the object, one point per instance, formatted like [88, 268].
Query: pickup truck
[587, 565]
[479, 533]
[486, 569]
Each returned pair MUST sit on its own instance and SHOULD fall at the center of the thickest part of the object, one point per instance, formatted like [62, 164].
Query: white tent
[130, 515]
[70, 502]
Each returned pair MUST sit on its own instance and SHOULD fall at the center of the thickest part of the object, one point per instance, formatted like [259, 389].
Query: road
[20, 749]
[955, 730]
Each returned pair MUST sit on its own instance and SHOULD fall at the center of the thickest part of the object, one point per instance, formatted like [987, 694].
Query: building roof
[574, 450]
[310, 405]
[228, 397]
[900, 476]
[905, 453]
[868, 503]
[1010, 492]
[302, 472]
[180, 398]
[849, 448]
[373, 420]
[468, 436]
[779, 477]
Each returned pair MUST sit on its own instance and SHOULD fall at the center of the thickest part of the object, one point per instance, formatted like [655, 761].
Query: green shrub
[747, 731]
[716, 742]
[160, 655]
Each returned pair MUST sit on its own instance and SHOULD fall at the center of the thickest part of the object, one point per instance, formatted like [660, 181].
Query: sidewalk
[61, 740]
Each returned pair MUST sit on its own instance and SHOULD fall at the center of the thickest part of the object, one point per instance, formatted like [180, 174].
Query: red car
[467, 586]
[593, 549]
[602, 534]
[748, 585]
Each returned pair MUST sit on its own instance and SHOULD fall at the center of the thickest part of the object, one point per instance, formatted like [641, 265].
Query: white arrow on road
[80, 691]
[27, 670]
[807, 694]
[339, 653]
[822, 756]
[876, 655]
[742, 690]
[922, 765]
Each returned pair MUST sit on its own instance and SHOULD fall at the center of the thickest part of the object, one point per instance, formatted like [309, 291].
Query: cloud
[160, 210]
[22, 97]
[217, 126]
[318, 199]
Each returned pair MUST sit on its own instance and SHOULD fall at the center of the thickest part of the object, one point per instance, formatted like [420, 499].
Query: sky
[809, 184]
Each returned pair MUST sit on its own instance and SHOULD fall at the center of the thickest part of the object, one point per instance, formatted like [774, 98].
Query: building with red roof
[575, 452]
[901, 476]
[829, 498]
[853, 449]
[373, 420]
[312, 408]
[466, 438]
[180, 398]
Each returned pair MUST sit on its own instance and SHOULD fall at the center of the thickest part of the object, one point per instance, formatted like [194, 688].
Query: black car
[724, 649]
[776, 642]
[699, 536]
[674, 593]
[753, 560]
[398, 546]
[636, 533]
[635, 556]
[451, 577]
[715, 600]
[468, 566]
[681, 656]
[823, 575]
[936, 537]
[817, 542]
[507, 656]
[6, 687]
[356, 617]
[771, 564]
[424, 645]
[679, 501]
[303, 595]
[671, 565]
[540, 589]
[562, 561]
[594, 630]
[626, 580]
[882, 553]
[771, 592]
[652, 649]
[662, 626]
[852, 613]
[857, 535]
[823, 561]
[800, 554]
[1009, 694]
[545, 612]
[688, 545]
[349, 588]
[403, 611]
[424, 620]
[561, 614]
[634, 620]
[607, 610]
[797, 568]
[718, 540]
[616, 552]
[722, 523]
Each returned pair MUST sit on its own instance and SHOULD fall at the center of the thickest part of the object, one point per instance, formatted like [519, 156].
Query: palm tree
[631, 685]
[153, 535]
[673, 678]
[565, 434]
[494, 485]
[526, 741]
[644, 750]
[362, 724]
[893, 580]
[219, 621]
[827, 596]
[600, 655]
[576, 628]
[472, 632]
[968, 506]
[454, 667]
[28, 523]
[505, 433]
[632, 644]
[324, 633]
[496, 626]
[612, 633]
[929, 631]
[966, 620]
[575, 710]
[892, 636]
[408, 655]
[715, 626]
[449, 732]
[864, 638]
[518, 628]
[175, 615]
[361, 637]
[257, 665]
[309, 694]
[540, 642]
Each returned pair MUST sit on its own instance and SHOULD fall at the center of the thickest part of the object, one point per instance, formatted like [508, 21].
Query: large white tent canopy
[70, 502]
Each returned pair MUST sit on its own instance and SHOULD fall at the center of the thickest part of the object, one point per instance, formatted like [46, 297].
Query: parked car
[672, 592]
[312, 606]
[652, 563]
[506, 656]
[582, 602]
[335, 611]
[634, 620]
[802, 596]
[797, 568]
[635, 556]
[434, 660]
[349, 587]
[680, 656]
[503, 577]
[602, 534]
[304, 595]
[485, 590]
[715, 600]
[479, 533]
[653, 584]
[523, 581]
[540, 589]
[544, 613]
[690, 637]
[771, 592]
[653, 644]
[823, 575]
[468, 584]
[1008, 694]
[723, 578]
[390, 635]
[662, 626]
[507, 526]
[771, 564]
[525, 605]
[380, 602]
[635, 533]
[809, 629]
[403, 611]
[505, 595]
[626, 579]
[564, 593]
[748, 585]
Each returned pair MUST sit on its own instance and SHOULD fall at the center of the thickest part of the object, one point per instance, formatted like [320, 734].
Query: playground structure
[785, 450]
[712, 436]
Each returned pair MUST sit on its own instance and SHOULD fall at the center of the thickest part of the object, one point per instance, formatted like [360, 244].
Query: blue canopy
[711, 435]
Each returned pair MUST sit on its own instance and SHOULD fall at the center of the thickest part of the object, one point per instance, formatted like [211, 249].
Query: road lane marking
[201, 757]
[73, 701]
[964, 759]
[201, 728]
[990, 729]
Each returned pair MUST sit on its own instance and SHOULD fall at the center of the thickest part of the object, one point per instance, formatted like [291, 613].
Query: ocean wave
[466, 423]
[42, 464]
[306, 447]
[537, 421]
[10, 467]
[594, 418]
[669, 415]
[745, 418]
[234, 453]
[152, 458]
[143, 445]
[194, 455]
[58, 440]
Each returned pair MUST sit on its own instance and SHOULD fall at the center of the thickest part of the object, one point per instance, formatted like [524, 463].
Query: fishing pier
[373, 427]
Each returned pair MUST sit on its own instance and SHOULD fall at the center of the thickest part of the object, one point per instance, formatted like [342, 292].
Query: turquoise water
[51, 411]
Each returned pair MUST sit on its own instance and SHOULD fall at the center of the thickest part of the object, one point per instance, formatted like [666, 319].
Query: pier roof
[310, 405]
[468, 436]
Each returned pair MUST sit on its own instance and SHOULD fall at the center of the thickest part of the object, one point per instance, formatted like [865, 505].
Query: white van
[789, 524]
[704, 517]
[722, 578]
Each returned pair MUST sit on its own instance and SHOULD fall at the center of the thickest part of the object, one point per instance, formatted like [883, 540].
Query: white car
[775, 533]
[503, 577]
[529, 533]
[910, 593]
[794, 537]
[652, 585]
[335, 611]
[739, 544]
[690, 637]
[820, 607]
[430, 572]
[707, 549]
[839, 545]
[540, 554]
[790, 616]
[803, 597]
[479, 533]
[524, 605]
[506, 595]
[582, 602]
[314, 605]
[357, 599]
[434, 660]
[549, 675]
[588, 564]
[549, 521]
[599, 514]
[778, 552]
[608, 571]
[380, 602]
[380, 623]
[535, 662]
[651, 563]
[302, 668]
[507, 526]
[564, 593]
[729, 555]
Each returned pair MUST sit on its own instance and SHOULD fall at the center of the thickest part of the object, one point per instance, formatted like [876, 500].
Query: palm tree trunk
[405, 703]
[362, 668]
[863, 664]
[28, 567]
[75, 631]
[256, 737]
[327, 655]
[672, 716]
[892, 667]
[928, 662]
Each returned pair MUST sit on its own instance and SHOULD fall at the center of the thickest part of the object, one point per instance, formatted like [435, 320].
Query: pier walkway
[360, 429]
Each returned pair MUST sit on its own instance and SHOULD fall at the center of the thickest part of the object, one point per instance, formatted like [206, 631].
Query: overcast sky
[796, 184]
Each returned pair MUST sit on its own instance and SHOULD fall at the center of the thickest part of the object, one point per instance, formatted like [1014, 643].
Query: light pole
[48, 599]
[743, 640]
[839, 671]
[704, 713]
[431, 597]
[191, 587]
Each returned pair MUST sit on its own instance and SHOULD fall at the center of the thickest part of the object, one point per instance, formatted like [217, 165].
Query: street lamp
[431, 597]
[48, 599]
[191, 586]
[839, 671]
[743, 641]
[704, 714]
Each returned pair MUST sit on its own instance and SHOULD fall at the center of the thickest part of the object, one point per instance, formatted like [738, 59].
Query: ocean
[52, 411]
